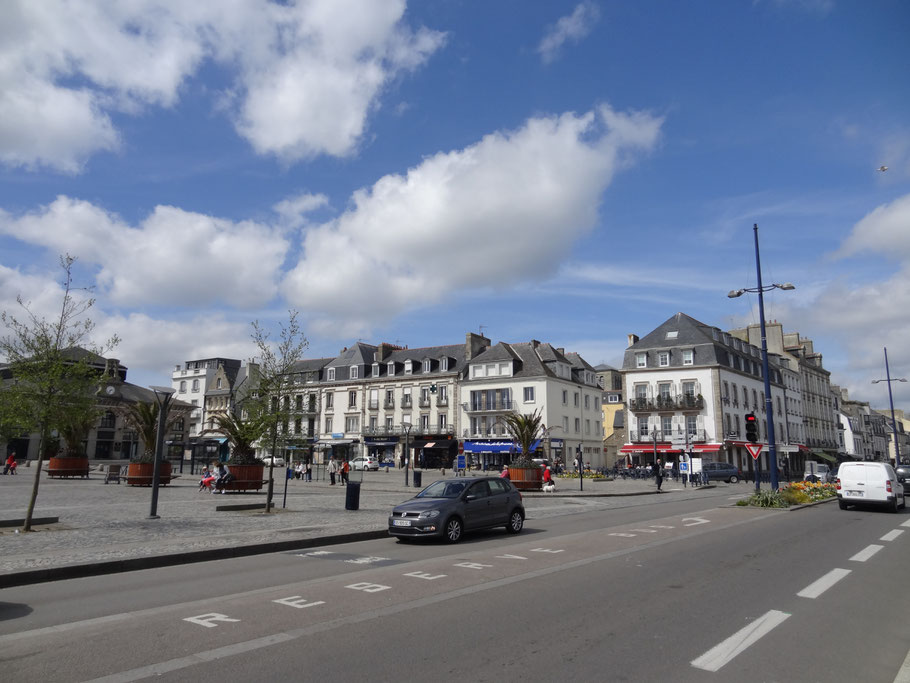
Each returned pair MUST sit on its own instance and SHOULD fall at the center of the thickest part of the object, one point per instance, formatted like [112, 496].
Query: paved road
[105, 528]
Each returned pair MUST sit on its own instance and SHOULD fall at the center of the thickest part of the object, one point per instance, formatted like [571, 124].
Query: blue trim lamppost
[897, 448]
[163, 395]
[769, 411]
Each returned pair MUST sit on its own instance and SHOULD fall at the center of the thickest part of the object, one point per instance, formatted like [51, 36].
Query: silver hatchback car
[449, 507]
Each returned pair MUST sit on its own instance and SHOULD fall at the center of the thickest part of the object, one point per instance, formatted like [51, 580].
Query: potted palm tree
[143, 418]
[73, 461]
[524, 430]
[242, 434]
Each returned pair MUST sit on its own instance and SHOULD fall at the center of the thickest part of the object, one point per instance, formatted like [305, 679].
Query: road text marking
[298, 602]
[695, 521]
[426, 575]
[623, 535]
[473, 565]
[368, 587]
[813, 590]
[208, 620]
[719, 655]
[511, 557]
[865, 554]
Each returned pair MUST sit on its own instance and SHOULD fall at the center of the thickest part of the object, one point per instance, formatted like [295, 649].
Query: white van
[869, 483]
[817, 469]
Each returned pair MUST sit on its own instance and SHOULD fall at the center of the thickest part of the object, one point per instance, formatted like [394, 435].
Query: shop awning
[649, 448]
[381, 443]
[488, 446]
[706, 447]
[824, 456]
[440, 443]
[334, 442]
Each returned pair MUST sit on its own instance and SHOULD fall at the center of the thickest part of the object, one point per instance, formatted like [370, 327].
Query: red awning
[649, 448]
[706, 447]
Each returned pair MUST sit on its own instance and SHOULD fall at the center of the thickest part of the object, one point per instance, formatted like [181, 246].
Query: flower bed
[797, 493]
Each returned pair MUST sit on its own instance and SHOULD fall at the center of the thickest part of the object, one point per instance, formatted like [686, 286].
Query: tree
[242, 434]
[274, 387]
[524, 430]
[143, 418]
[49, 384]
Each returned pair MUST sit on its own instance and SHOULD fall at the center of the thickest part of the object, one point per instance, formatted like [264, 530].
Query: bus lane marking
[425, 575]
[298, 601]
[208, 620]
[368, 587]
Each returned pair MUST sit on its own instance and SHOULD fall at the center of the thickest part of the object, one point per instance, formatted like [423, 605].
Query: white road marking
[695, 521]
[813, 590]
[366, 560]
[907, 523]
[891, 535]
[298, 602]
[473, 565]
[510, 557]
[208, 620]
[623, 535]
[661, 526]
[646, 531]
[546, 550]
[368, 587]
[719, 655]
[866, 553]
[426, 575]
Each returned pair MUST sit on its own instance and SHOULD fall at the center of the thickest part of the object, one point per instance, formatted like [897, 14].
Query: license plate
[401, 522]
[855, 494]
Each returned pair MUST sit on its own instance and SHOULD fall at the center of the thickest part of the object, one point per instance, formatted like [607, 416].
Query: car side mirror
[468, 498]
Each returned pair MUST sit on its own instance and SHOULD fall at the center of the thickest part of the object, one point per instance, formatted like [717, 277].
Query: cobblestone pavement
[103, 523]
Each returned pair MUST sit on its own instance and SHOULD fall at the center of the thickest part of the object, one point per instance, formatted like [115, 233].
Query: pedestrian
[505, 473]
[309, 471]
[659, 474]
[332, 469]
[548, 484]
[298, 471]
[345, 472]
[10, 466]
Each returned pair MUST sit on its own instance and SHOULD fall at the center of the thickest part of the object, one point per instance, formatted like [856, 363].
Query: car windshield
[443, 489]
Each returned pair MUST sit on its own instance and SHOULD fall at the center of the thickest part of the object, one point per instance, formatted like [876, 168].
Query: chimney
[561, 351]
[474, 344]
[633, 339]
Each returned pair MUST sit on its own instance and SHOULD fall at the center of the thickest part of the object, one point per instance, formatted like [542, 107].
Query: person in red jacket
[505, 473]
[547, 476]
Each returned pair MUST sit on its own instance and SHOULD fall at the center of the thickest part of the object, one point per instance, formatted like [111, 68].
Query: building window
[329, 400]
[352, 423]
[427, 365]
[692, 424]
[354, 372]
[444, 363]
[577, 425]
[663, 359]
[195, 385]
[576, 399]
[529, 394]
[352, 399]
[406, 397]
[389, 424]
[183, 386]
[375, 369]
[565, 424]
[666, 424]
[688, 357]
[612, 398]
[641, 360]
[408, 367]
[218, 383]
[587, 426]
[587, 402]
[424, 422]
[328, 425]
[642, 427]
[565, 397]
[330, 375]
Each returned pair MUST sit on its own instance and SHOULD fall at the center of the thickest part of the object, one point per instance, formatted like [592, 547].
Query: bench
[112, 476]
[243, 485]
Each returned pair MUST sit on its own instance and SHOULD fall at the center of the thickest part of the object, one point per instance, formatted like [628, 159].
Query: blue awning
[498, 446]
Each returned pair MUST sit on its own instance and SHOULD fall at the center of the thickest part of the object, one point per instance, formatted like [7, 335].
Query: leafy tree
[143, 418]
[524, 430]
[49, 384]
[242, 434]
[274, 387]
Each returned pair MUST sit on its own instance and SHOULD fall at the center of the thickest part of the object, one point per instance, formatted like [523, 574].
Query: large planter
[246, 477]
[141, 473]
[64, 467]
[526, 478]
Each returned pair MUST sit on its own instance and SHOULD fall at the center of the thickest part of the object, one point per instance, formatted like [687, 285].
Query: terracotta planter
[141, 473]
[247, 477]
[64, 467]
[526, 478]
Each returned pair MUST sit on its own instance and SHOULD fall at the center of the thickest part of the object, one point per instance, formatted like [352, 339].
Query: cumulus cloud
[173, 257]
[502, 211]
[306, 75]
[571, 28]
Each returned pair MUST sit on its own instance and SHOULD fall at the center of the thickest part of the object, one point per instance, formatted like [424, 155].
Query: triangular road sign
[754, 449]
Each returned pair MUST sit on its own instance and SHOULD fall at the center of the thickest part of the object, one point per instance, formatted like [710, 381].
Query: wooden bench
[242, 485]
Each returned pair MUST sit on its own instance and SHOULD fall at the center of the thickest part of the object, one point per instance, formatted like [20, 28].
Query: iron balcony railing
[488, 406]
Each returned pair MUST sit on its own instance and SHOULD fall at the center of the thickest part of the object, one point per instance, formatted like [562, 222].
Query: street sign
[754, 449]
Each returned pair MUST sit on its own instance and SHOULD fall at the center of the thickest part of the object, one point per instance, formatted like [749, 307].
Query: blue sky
[408, 172]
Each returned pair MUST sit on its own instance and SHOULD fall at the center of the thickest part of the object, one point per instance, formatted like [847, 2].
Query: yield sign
[754, 449]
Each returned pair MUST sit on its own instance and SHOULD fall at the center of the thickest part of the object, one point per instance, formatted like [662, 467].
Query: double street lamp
[163, 396]
[897, 448]
[760, 290]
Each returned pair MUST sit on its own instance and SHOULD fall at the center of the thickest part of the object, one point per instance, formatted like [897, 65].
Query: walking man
[659, 474]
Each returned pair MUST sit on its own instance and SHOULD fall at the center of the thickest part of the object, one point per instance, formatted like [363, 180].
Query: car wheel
[842, 505]
[734, 479]
[893, 506]
[516, 522]
[453, 530]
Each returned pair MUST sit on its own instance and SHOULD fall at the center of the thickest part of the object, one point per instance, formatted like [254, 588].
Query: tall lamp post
[769, 409]
[897, 448]
[407, 454]
[163, 396]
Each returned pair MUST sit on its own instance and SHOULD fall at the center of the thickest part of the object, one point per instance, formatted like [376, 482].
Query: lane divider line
[721, 654]
[866, 553]
[891, 535]
[813, 590]
[907, 523]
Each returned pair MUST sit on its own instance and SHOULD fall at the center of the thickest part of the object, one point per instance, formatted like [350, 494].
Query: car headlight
[429, 514]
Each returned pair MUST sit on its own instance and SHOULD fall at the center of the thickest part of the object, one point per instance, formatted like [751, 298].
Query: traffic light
[751, 428]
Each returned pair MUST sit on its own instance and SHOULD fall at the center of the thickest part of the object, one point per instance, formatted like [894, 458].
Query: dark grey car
[723, 471]
[903, 475]
[449, 507]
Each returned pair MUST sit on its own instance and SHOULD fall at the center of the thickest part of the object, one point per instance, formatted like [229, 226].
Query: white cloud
[172, 257]
[885, 230]
[572, 27]
[293, 209]
[502, 211]
[306, 75]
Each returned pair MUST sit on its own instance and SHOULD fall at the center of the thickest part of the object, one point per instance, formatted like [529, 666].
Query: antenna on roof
[481, 328]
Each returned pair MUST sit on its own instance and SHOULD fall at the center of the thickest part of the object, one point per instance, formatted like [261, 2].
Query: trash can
[352, 496]
[417, 478]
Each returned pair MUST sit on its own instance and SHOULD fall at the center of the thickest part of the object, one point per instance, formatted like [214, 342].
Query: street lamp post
[769, 408]
[163, 396]
[897, 448]
[407, 454]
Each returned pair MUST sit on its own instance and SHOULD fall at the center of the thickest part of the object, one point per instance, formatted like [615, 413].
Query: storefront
[382, 448]
[435, 453]
[486, 454]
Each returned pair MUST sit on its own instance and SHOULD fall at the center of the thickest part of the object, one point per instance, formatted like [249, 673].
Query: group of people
[335, 469]
[10, 466]
[214, 479]
[303, 471]
[547, 477]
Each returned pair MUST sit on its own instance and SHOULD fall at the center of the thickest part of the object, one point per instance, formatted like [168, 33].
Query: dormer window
[390, 369]
[427, 365]
[330, 374]
[354, 372]
[444, 363]
[408, 367]
[688, 357]
[663, 359]
[672, 334]
[641, 360]
[375, 369]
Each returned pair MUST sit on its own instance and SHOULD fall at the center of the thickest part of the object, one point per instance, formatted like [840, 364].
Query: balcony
[406, 402]
[423, 402]
[442, 401]
[388, 403]
[646, 437]
[373, 404]
[489, 406]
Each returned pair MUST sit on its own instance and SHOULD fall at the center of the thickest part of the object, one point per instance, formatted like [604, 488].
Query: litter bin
[417, 477]
[352, 496]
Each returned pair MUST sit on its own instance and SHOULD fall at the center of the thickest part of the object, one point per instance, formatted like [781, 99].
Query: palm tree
[242, 435]
[75, 430]
[143, 418]
[524, 430]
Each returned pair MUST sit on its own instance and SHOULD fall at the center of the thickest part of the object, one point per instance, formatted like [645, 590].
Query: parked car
[903, 471]
[362, 463]
[723, 471]
[819, 470]
[279, 461]
[447, 508]
[869, 483]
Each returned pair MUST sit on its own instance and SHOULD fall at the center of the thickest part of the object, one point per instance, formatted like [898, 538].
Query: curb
[79, 571]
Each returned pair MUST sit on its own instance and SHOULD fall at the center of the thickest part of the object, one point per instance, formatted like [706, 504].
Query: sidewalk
[104, 528]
